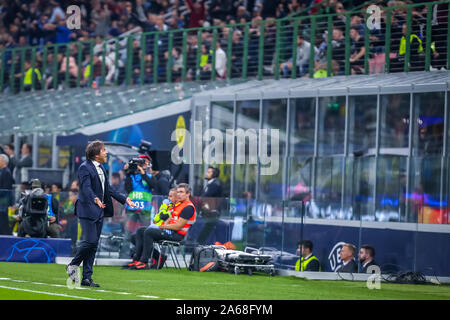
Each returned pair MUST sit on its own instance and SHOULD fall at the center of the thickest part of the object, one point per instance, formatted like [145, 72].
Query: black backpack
[204, 258]
[34, 214]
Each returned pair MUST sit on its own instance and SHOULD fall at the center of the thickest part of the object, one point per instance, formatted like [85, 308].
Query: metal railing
[258, 49]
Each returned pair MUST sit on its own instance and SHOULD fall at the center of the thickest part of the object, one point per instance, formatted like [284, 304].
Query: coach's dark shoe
[89, 283]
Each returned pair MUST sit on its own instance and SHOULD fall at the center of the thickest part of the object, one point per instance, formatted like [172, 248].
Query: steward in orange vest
[184, 214]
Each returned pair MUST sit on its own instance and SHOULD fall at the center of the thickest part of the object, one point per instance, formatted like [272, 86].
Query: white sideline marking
[80, 288]
[48, 293]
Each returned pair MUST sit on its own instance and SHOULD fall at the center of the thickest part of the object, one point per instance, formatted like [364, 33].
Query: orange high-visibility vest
[176, 215]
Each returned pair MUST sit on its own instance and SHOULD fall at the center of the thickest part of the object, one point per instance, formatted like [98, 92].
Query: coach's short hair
[93, 149]
[186, 187]
[369, 249]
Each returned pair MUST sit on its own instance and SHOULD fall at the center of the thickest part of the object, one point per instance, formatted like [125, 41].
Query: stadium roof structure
[74, 110]
[332, 86]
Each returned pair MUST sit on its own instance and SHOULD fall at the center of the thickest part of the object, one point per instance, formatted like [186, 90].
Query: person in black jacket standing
[6, 184]
[210, 203]
[366, 257]
[347, 255]
[6, 179]
[212, 189]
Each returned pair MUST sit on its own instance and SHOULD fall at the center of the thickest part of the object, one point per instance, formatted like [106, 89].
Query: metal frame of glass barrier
[273, 228]
[265, 47]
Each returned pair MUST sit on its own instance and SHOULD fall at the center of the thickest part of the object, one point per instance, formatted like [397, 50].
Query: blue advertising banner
[33, 250]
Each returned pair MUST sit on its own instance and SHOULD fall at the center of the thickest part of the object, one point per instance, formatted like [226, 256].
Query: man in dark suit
[25, 162]
[6, 184]
[94, 202]
[6, 179]
[9, 150]
[347, 255]
[366, 257]
[210, 203]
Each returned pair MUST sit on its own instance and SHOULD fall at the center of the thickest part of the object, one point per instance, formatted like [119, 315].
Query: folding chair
[170, 245]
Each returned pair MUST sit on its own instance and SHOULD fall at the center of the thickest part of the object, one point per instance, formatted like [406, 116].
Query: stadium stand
[143, 42]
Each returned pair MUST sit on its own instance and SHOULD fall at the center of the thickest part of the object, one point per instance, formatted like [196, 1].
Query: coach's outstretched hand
[131, 203]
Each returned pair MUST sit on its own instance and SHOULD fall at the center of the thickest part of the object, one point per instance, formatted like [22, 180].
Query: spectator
[221, 61]
[357, 22]
[302, 61]
[25, 162]
[339, 18]
[74, 185]
[307, 262]
[220, 9]
[357, 51]
[73, 70]
[338, 51]
[197, 11]
[32, 75]
[416, 53]
[116, 183]
[162, 180]
[69, 221]
[56, 189]
[347, 255]
[205, 63]
[9, 150]
[57, 12]
[177, 62]
[6, 179]
[366, 257]
[53, 227]
[237, 52]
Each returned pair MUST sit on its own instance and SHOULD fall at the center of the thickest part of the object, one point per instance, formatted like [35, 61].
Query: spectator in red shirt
[198, 13]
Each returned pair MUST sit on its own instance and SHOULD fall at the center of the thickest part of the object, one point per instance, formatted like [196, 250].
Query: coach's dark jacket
[90, 187]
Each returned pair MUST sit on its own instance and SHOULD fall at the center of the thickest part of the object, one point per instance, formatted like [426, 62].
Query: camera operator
[139, 186]
[38, 220]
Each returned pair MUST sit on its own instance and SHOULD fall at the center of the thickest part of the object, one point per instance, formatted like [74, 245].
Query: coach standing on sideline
[92, 205]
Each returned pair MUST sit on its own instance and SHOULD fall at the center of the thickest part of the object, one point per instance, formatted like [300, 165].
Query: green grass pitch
[22, 281]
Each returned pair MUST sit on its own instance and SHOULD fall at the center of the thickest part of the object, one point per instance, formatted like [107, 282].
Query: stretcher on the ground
[243, 261]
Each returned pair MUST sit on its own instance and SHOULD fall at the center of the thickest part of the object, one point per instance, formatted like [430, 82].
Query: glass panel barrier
[424, 195]
[213, 221]
[328, 235]
[395, 244]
